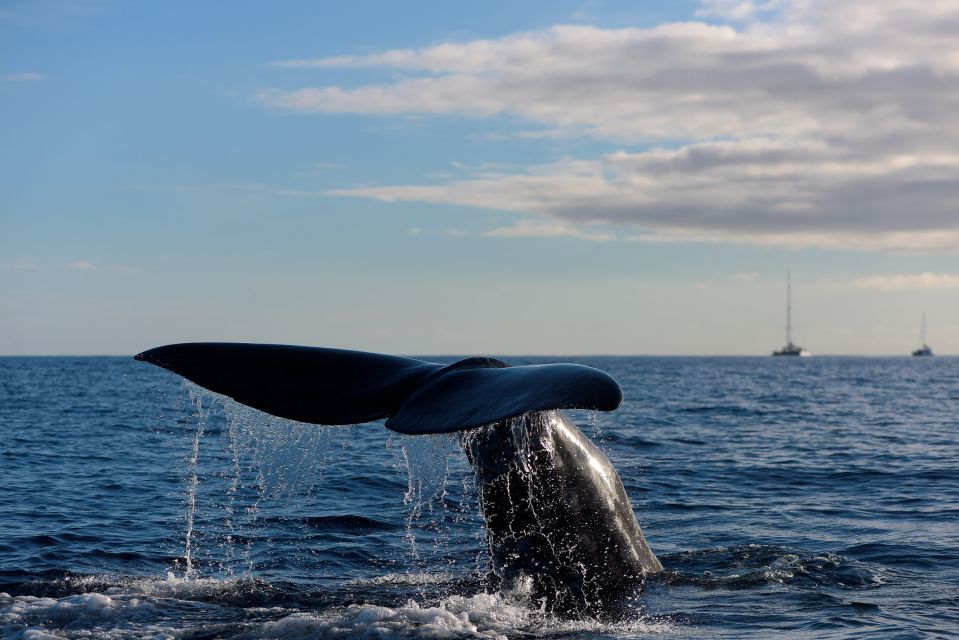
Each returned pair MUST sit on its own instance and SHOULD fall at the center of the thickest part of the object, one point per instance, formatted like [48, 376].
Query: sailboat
[790, 349]
[924, 350]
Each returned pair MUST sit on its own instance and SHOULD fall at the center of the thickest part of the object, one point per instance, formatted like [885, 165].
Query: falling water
[239, 458]
[251, 477]
[193, 482]
[426, 459]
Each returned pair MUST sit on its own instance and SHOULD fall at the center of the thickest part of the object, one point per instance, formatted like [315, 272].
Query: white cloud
[801, 123]
[548, 229]
[899, 242]
[746, 276]
[26, 76]
[86, 265]
[737, 9]
[753, 191]
[909, 282]
[449, 233]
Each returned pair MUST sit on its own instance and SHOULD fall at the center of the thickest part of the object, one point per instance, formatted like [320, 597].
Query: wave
[175, 607]
[752, 565]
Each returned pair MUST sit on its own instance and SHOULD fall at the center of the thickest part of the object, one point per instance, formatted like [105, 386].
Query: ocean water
[788, 498]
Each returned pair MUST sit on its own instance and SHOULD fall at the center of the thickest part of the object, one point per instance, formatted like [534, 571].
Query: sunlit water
[789, 498]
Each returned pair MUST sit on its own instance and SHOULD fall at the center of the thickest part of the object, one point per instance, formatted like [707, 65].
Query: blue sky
[476, 177]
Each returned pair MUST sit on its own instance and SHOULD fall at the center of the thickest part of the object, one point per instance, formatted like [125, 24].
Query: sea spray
[254, 481]
[239, 458]
[201, 415]
[426, 459]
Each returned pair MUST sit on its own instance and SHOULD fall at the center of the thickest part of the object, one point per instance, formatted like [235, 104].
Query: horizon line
[531, 355]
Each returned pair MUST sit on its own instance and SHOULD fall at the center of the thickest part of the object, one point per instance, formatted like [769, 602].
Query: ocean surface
[786, 498]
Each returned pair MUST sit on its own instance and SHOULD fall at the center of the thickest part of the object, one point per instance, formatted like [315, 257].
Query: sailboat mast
[789, 298]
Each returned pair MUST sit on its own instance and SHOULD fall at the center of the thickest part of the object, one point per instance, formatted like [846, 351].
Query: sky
[545, 177]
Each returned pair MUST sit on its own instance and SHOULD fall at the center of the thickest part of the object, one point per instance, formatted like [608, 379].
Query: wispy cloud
[449, 233]
[738, 9]
[249, 187]
[801, 123]
[548, 229]
[908, 282]
[26, 76]
[86, 265]
[746, 276]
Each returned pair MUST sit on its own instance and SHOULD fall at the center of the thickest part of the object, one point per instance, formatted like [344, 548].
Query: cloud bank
[909, 282]
[799, 123]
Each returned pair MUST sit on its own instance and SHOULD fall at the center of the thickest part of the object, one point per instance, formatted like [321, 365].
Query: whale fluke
[557, 515]
[337, 386]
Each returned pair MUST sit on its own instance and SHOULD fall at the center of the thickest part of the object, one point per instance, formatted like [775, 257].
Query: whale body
[557, 514]
[559, 523]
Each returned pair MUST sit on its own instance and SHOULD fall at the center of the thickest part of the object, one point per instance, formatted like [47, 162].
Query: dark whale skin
[557, 515]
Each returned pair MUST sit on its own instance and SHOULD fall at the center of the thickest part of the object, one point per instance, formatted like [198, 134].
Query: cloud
[86, 265]
[27, 76]
[900, 242]
[801, 123]
[548, 229]
[737, 9]
[449, 233]
[756, 192]
[746, 276]
[918, 281]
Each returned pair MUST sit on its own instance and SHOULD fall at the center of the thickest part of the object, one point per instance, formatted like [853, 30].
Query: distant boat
[924, 350]
[790, 349]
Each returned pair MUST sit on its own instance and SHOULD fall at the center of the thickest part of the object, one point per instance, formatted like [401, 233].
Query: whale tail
[337, 386]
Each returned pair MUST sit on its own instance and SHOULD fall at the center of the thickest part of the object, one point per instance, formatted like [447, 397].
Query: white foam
[457, 617]
[35, 618]
[481, 616]
[146, 608]
[63, 610]
[137, 609]
[413, 578]
[174, 587]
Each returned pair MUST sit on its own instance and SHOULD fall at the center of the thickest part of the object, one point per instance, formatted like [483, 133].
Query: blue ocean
[787, 497]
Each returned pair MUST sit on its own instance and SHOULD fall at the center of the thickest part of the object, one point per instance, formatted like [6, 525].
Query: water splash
[259, 458]
[174, 608]
[255, 484]
[201, 415]
[427, 463]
